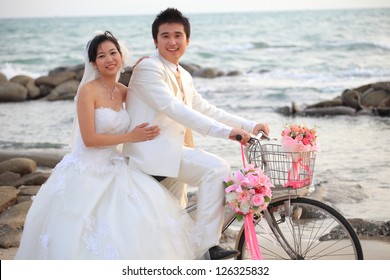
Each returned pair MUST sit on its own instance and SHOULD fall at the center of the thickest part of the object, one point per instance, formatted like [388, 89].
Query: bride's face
[171, 41]
[108, 59]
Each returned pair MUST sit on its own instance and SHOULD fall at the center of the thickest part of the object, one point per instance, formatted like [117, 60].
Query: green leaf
[228, 183]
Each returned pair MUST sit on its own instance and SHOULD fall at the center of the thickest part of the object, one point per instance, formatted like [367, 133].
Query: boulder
[12, 92]
[8, 177]
[8, 197]
[55, 79]
[191, 68]
[15, 215]
[3, 78]
[29, 83]
[373, 97]
[209, 72]
[29, 190]
[9, 236]
[351, 98]
[327, 103]
[36, 178]
[18, 165]
[125, 76]
[65, 91]
[329, 111]
[21, 80]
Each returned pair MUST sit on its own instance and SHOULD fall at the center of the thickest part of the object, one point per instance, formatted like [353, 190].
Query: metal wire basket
[285, 169]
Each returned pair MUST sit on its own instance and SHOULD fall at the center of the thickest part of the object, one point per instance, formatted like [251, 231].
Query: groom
[162, 93]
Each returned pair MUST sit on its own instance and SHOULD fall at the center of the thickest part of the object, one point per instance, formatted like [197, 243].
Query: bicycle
[293, 227]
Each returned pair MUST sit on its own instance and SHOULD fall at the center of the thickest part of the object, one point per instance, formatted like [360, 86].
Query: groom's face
[171, 41]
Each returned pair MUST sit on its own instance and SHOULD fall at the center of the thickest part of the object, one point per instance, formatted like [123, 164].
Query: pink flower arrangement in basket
[299, 141]
[299, 138]
[248, 191]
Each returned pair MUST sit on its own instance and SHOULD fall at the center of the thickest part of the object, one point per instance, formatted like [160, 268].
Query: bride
[93, 206]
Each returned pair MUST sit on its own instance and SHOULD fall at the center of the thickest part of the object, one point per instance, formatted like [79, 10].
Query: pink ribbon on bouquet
[293, 177]
[249, 228]
[251, 238]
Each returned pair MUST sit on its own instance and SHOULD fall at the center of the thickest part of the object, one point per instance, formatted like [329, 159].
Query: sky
[55, 8]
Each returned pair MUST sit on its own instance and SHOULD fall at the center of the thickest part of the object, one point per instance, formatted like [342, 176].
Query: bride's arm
[86, 117]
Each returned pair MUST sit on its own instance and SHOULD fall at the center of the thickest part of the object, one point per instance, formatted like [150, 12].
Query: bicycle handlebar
[261, 135]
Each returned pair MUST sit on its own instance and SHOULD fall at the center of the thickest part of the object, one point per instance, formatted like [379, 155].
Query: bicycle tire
[311, 231]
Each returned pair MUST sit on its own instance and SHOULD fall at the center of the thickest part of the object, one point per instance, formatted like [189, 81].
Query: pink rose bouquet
[248, 193]
[299, 138]
[299, 141]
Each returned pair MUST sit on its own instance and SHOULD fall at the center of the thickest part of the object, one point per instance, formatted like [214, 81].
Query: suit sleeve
[220, 115]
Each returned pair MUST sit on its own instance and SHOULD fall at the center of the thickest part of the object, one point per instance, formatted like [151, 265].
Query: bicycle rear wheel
[303, 229]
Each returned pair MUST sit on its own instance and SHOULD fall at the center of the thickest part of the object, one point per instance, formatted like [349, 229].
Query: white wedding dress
[93, 206]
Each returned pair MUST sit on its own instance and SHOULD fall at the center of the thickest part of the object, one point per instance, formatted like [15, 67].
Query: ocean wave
[21, 145]
[10, 70]
[354, 45]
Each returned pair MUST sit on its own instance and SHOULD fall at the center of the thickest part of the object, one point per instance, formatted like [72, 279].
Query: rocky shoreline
[61, 84]
[23, 172]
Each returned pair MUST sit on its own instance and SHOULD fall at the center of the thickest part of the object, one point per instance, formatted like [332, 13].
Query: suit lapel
[172, 79]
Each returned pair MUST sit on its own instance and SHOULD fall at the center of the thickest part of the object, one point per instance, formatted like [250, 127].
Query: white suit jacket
[154, 97]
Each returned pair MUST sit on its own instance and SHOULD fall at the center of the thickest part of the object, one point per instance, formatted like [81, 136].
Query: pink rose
[257, 200]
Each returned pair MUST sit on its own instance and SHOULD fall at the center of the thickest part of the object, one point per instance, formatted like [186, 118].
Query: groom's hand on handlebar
[261, 128]
[240, 135]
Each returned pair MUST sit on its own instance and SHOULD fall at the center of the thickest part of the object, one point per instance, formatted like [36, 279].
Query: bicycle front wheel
[303, 229]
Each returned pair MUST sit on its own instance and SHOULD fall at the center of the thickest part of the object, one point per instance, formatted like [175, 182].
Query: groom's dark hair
[170, 15]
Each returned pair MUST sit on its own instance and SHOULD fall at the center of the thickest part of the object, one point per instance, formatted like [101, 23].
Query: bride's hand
[138, 61]
[143, 132]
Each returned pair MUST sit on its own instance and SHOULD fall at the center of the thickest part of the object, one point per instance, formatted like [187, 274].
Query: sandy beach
[373, 249]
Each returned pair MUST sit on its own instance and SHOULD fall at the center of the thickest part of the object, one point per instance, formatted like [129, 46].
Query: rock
[368, 228]
[285, 110]
[8, 177]
[327, 103]
[329, 111]
[351, 98]
[190, 67]
[233, 73]
[12, 92]
[29, 190]
[9, 237]
[28, 82]
[374, 97]
[78, 70]
[208, 72]
[15, 215]
[55, 79]
[64, 91]
[382, 86]
[49, 158]
[8, 197]
[3, 78]
[382, 112]
[125, 76]
[18, 165]
[36, 178]
[45, 90]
